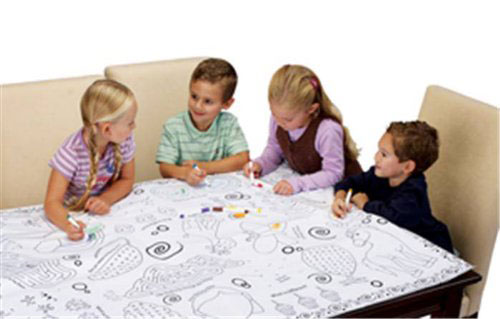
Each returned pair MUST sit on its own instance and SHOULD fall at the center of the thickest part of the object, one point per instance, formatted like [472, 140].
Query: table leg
[450, 307]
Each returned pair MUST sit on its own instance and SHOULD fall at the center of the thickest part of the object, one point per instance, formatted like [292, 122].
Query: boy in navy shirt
[395, 188]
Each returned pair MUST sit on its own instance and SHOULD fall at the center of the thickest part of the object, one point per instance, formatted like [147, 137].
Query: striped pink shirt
[72, 161]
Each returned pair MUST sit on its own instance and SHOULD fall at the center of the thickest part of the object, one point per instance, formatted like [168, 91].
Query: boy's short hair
[416, 141]
[217, 71]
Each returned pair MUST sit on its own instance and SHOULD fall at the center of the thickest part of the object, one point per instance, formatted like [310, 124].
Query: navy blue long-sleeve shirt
[406, 205]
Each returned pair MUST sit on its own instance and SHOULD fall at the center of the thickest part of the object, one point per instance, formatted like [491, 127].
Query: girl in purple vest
[94, 167]
[306, 130]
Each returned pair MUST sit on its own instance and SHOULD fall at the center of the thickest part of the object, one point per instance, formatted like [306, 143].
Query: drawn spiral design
[321, 233]
[170, 299]
[158, 249]
[236, 196]
[321, 278]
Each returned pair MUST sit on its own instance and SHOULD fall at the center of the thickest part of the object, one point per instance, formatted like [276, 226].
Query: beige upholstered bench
[162, 90]
[37, 117]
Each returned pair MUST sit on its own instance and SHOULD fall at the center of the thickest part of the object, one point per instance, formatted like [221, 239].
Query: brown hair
[103, 101]
[416, 141]
[217, 71]
[299, 87]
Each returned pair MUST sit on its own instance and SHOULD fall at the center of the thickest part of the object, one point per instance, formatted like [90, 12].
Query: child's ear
[409, 167]
[104, 128]
[226, 105]
[314, 107]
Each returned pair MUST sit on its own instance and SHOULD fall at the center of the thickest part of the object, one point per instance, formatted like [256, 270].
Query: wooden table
[442, 301]
[165, 251]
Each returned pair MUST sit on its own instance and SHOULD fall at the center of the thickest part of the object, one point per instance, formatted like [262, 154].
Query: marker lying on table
[348, 197]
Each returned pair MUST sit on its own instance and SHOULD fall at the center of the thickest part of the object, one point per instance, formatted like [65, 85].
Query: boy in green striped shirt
[204, 135]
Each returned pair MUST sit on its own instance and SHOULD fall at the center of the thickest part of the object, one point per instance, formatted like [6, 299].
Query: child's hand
[195, 176]
[75, 233]
[97, 206]
[339, 207]
[283, 188]
[360, 199]
[256, 168]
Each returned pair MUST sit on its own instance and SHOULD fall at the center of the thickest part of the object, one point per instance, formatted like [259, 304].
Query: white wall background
[375, 58]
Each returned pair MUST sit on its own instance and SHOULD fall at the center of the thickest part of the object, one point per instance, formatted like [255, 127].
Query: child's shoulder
[72, 147]
[177, 120]
[330, 124]
[73, 142]
[227, 116]
[416, 183]
[328, 128]
[227, 120]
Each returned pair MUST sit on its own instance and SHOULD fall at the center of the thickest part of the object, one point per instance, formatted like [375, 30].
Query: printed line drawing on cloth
[333, 260]
[161, 279]
[224, 302]
[116, 258]
[388, 254]
[29, 272]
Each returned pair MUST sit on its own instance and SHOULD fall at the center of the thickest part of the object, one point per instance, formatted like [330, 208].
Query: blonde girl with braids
[305, 130]
[95, 165]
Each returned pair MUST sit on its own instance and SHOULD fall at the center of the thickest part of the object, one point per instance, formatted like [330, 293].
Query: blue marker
[195, 166]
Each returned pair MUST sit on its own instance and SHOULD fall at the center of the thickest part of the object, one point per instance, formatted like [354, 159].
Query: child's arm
[404, 207]
[225, 165]
[117, 190]
[272, 156]
[54, 209]
[185, 172]
[358, 184]
[339, 206]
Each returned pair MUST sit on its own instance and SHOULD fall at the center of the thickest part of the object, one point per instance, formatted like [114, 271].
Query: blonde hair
[298, 87]
[103, 101]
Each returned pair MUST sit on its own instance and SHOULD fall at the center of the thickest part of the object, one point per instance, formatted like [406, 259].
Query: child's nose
[199, 105]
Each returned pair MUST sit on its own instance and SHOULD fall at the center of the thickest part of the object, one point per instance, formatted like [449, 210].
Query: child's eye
[194, 96]
[208, 102]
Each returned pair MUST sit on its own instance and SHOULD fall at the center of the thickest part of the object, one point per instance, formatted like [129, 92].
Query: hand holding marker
[195, 166]
[348, 198]
[72, 221]
[257, 183]
[88, 231]
[252, 174]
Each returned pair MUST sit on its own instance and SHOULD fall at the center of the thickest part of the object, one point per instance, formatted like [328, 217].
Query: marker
[73, 221]
[94, 229]
[348, 197]
[252, 175]
[91, 232]
[261, 184]
[195, 166]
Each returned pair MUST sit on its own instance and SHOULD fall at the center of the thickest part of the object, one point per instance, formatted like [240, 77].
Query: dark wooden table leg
[450, 307]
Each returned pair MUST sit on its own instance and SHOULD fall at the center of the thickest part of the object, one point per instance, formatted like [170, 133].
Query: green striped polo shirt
[182, 141]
